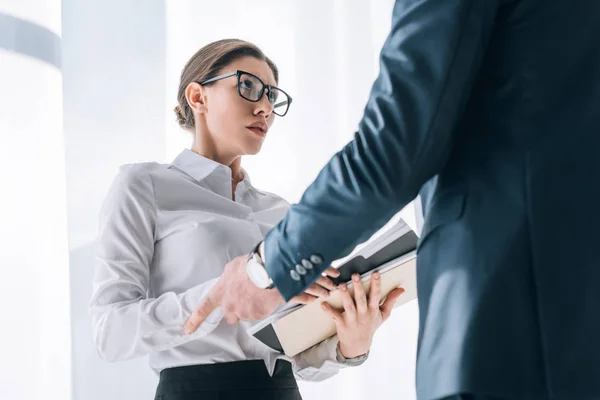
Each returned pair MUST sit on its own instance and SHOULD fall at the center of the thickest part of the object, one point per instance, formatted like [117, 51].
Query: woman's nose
[264, 106]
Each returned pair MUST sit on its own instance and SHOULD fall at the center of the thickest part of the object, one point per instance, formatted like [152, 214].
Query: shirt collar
[200, 167]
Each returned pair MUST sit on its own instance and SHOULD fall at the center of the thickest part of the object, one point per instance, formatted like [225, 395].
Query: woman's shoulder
[141, 168]
[138, 175]
[136, 172]
[132, 185]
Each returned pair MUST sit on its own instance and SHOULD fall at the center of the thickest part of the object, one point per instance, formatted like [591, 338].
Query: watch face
[257, 273]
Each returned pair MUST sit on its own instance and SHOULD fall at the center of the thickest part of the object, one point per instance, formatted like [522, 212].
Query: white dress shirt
[166, 233]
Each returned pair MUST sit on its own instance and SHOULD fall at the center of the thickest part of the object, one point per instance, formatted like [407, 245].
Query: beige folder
[308, 325]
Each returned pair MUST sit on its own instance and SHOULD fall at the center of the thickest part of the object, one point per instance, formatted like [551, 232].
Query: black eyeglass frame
[238, 73]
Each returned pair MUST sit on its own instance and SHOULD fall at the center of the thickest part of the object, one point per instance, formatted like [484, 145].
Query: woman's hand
[320, 288]
[361, 317]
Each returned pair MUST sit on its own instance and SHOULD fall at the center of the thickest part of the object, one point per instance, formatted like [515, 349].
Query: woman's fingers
[375, 291]
[360, 297]
[347, 301]
[318, 290]
[388, 304]
[332, 272]
[335, 314]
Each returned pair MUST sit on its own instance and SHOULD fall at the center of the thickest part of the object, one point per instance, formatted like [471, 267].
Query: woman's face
[237, 126]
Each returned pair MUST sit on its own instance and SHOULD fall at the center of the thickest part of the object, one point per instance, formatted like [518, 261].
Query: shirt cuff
[351, 362]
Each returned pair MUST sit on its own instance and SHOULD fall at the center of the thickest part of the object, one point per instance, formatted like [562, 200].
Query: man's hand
[239, 298]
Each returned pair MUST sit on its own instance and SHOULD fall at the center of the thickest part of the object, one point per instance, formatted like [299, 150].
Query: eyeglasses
[251, 88]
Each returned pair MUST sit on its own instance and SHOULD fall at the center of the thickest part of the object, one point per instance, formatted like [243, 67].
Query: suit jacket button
[307, 264]
[316, 259]
[300, 269]
[295, 275]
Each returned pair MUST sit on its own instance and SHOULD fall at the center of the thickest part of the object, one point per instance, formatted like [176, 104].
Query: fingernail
[187, 331]
[343, 287]
[355, 277]
[376, 275]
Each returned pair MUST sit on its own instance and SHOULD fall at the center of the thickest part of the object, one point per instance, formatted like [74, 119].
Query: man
[491, 109]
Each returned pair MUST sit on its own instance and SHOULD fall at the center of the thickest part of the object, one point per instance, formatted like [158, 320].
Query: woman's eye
[247, 84]
[273, 96]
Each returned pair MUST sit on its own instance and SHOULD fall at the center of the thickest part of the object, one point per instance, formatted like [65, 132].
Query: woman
[166, 231]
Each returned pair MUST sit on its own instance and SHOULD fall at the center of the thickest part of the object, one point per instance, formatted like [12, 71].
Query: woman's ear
[196, 97]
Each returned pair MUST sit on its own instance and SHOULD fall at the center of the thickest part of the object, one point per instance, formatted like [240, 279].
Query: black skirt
[247, 380]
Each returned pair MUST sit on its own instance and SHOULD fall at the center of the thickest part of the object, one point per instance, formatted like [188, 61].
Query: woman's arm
[355, 325]
[126, 323]
[322, 361]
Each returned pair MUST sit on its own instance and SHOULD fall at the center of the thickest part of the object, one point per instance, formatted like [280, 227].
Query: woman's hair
[206, 63]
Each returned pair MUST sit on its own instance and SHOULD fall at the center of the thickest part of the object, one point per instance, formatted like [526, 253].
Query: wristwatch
[255, 268]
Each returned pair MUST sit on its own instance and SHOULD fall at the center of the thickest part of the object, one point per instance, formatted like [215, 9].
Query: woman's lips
[258, 131]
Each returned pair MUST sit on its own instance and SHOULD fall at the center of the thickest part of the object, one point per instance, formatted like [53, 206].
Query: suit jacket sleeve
[427, 68]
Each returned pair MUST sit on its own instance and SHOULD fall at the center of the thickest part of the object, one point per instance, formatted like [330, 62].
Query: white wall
[34, 301]
[121, 67]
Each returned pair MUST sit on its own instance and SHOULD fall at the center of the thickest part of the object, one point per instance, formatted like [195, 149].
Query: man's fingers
[317, 291]
[303, 298]
[325, 282]
[360, 298]
[332, 272]
[208, 305]
[388, 304]
[375, 291]
[273, 299]
[333, 313]
[199, 315]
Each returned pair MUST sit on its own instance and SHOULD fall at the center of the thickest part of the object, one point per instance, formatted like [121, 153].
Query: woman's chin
[252, 149]
[253, 152]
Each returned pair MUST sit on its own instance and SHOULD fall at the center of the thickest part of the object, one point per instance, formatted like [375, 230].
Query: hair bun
[179, 115]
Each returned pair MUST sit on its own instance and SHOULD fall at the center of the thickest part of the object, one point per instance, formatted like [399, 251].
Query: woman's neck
[233, 162]
[205, 145]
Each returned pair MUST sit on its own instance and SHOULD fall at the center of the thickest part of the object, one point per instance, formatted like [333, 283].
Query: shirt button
[300, 269]
[307, 264]
[295, 275]
[316, 259]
